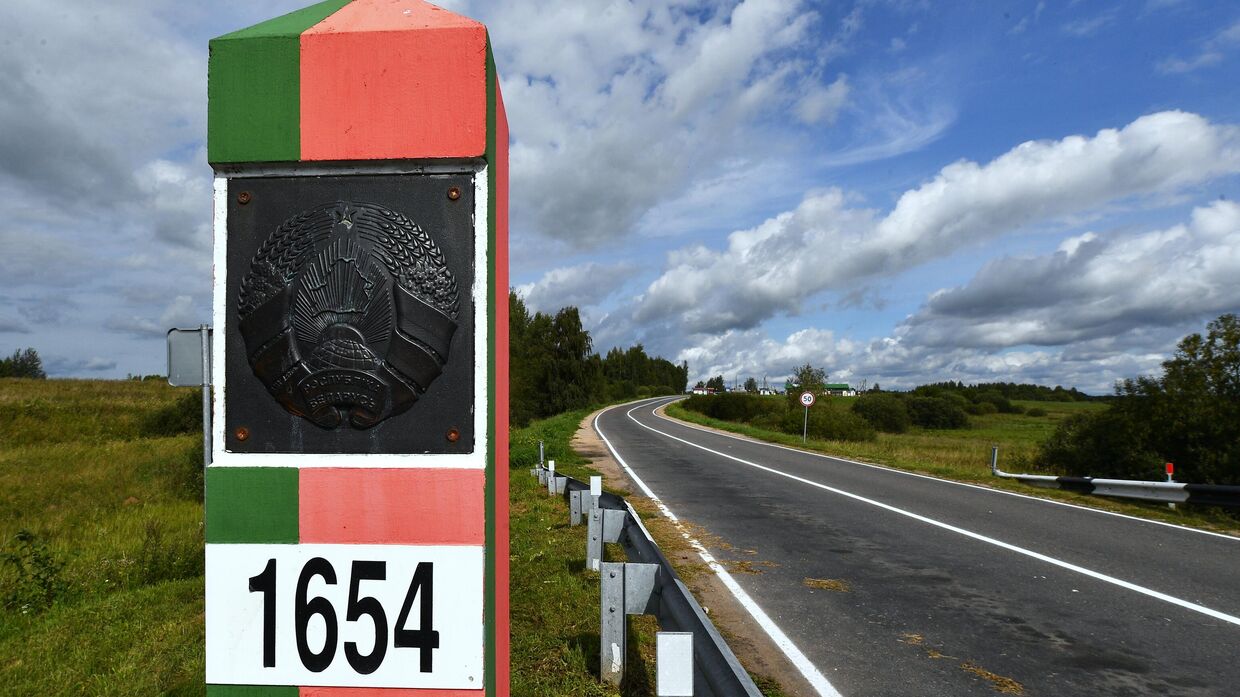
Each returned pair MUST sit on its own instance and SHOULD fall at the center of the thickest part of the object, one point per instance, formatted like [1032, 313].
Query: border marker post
[360, 410]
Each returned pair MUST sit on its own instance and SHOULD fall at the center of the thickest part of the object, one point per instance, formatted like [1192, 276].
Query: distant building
[840, 389]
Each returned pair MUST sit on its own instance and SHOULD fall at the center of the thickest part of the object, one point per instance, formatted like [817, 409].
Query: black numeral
[265, 583]
[367, 605]
[303, 610]
[425, 638]
[422, 587]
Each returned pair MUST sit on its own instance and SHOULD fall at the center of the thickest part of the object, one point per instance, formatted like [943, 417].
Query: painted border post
[348, 568]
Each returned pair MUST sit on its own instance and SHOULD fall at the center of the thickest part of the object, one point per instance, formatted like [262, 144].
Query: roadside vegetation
[553, 367]
[100, 539]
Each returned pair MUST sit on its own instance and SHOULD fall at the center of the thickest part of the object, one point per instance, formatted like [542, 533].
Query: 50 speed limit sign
[348, 615]
[807, 399]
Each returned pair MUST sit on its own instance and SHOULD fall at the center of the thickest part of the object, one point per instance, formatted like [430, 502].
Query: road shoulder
[760, 656]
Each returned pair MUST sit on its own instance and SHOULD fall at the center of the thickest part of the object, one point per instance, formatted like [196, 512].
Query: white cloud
[1088, 26]
[1212, 52]
[826, 242]
[179, 312]
[1093, 287]
[822, 104]
[581, 286]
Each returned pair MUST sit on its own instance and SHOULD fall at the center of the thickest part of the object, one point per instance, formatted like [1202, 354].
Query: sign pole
[807, 400]
[205, 331]
[357, 496]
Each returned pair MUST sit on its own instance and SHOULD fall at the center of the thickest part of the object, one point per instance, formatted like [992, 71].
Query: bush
[828, 424]
[30, 579]
[1002, 404]
[1036, 411]
[733, 406]
[182, 416]
[981, 409]
[885, 412]
[936, 412]
[1106, 444]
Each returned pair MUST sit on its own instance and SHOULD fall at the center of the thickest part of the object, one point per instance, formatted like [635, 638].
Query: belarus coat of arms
[348, 313]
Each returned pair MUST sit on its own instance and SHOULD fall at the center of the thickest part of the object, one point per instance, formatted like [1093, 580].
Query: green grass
[964, 454]
[101, 564]
[105, 595]
[555, 600]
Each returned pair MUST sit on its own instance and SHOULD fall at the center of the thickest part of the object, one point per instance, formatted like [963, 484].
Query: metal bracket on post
[542, 477]
[561, 483]
[613, 524]
[673, 664]
[625, 589]
[550, 477]
[574, 507]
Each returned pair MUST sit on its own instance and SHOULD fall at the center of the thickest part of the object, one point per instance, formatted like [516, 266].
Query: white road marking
[798, 659]
[960, 531]
[906, 473]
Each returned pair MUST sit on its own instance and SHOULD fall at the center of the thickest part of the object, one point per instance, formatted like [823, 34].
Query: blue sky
[897, 191]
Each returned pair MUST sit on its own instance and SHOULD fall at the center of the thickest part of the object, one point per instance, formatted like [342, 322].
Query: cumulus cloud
[180, 312]
[60, 366]
[619, 110]
[1093, 287]
[581, 286]
[1098, 309]
[828, 242]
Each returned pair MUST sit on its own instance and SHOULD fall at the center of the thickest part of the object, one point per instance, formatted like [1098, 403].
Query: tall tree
[751, 385]
[24, 363]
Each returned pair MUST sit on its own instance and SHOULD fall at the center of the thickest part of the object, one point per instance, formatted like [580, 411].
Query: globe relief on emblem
[348, 313]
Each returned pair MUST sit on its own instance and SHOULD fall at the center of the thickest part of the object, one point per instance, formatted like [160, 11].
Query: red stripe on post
[416, 506]
[392, 79]
[502, 638]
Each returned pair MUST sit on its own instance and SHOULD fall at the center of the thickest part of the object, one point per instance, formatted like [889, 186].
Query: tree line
[553, 367]
[24, 363]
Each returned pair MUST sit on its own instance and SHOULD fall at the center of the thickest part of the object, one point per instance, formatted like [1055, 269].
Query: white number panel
[345, 615]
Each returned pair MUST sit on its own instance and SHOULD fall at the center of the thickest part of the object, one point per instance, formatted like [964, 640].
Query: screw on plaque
[242, 433]
[453, 435]
[454, 193]
[244, 197]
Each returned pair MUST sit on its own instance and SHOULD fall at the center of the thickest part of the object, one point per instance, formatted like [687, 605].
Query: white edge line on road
[802, 663]
[961, 531]
[906, 473]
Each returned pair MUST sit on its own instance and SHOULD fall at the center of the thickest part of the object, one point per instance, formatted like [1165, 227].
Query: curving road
[952, 589]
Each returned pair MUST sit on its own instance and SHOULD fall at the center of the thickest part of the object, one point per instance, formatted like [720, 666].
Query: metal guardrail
[1168, 492]
[716, 672]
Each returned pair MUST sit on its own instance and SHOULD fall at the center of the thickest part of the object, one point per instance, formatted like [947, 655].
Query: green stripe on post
[254, 88]
[489, 613]
[252, 505]
[251, 691]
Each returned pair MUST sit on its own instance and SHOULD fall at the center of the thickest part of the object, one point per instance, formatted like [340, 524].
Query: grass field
[964, 454]
[101, 563]
[101, 536]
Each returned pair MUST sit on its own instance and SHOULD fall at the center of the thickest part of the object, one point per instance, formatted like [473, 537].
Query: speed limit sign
[807, 398]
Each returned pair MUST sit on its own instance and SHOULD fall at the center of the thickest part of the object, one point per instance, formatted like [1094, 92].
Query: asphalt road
[951, 589]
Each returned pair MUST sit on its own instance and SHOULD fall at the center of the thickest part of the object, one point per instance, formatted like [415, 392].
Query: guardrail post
[540, 454]
[994, 459]
[611, 623]
[624, 589]
[594, 538]
[674, 664]
[561, 483]
[551, 477]
[574, 507]
[542, 477]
